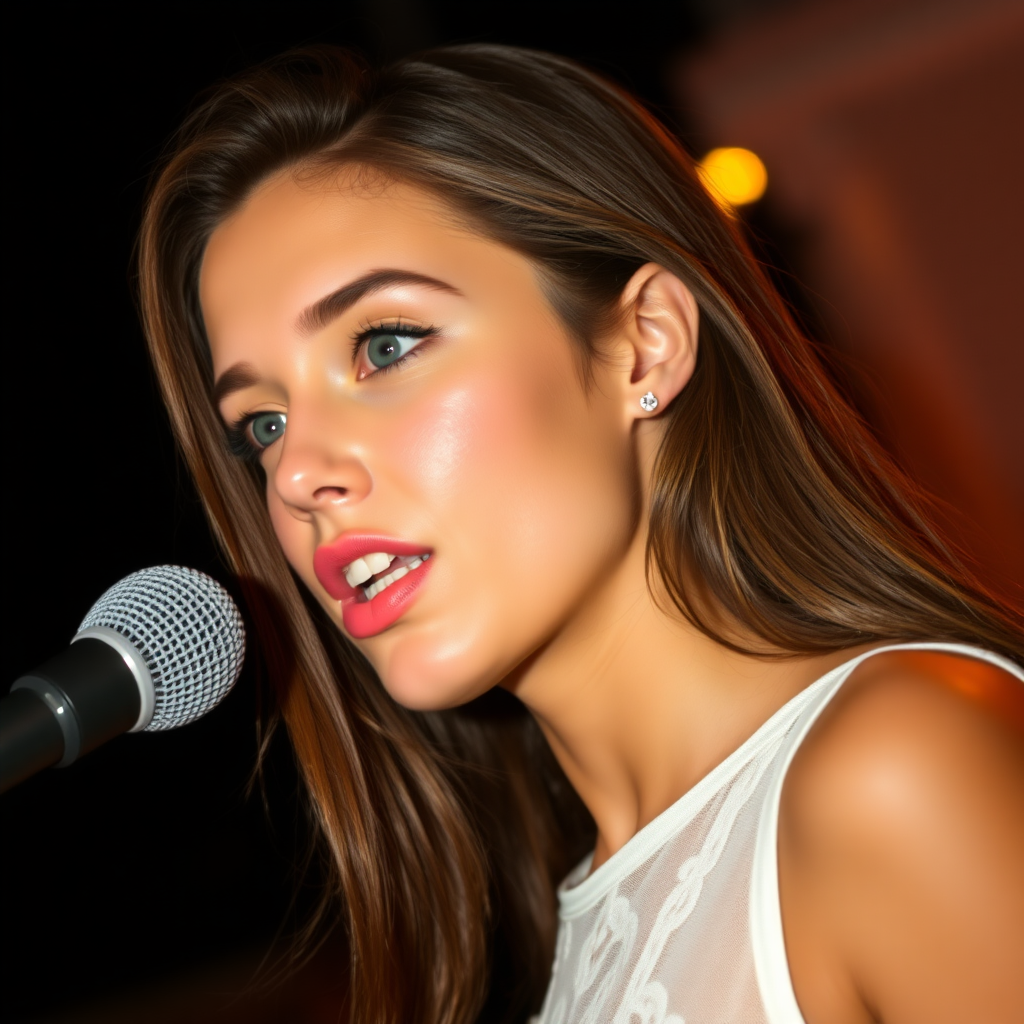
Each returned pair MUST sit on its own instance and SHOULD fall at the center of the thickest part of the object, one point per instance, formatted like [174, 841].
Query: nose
[318, 469]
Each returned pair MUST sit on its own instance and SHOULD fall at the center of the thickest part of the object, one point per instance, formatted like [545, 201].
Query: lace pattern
[670, 930]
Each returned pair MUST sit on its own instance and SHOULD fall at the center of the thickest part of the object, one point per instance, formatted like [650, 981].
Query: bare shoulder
[923, 719]
[901, 836]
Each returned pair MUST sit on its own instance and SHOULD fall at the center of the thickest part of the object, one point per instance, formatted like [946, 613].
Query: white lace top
[682, 925]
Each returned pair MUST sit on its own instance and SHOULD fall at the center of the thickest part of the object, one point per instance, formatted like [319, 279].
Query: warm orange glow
[734, 176]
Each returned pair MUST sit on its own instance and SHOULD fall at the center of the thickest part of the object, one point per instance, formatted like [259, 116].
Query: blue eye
[267, 427]
[387, 347]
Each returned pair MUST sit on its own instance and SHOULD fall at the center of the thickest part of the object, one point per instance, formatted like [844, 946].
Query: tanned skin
[901, 828]
[901, 846]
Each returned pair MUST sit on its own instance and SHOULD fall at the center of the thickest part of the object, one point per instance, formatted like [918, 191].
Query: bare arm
[901, 847]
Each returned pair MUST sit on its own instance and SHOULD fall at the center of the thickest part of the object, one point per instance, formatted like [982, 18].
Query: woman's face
[409, 392]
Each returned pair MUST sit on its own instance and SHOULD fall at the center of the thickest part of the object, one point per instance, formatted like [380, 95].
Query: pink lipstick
[362, 617]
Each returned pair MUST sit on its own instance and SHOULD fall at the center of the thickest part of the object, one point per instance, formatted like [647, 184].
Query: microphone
[159, 649]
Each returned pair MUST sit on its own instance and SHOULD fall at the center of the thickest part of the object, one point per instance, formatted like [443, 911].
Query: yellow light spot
[734, 176]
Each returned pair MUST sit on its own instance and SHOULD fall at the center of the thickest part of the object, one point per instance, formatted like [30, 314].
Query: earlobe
[660, 333]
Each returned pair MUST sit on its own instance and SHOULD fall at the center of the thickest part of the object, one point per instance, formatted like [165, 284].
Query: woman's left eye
[267, 427]
[384, 347]
[250, 437]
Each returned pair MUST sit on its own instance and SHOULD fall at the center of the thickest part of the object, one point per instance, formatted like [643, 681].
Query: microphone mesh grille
[188, 631]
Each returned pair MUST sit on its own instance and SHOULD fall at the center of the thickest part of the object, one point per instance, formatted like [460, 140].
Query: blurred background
[885, 191]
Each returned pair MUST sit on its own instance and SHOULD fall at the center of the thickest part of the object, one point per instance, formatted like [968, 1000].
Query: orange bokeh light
[734, 176]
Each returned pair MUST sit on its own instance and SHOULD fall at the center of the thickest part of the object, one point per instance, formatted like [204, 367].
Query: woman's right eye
[266, 427]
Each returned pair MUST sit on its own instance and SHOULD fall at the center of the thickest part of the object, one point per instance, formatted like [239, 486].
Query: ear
[658, 338]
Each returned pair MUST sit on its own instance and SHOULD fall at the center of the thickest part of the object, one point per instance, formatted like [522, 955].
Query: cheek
[486, 456]
[451, 448]
[523, 486]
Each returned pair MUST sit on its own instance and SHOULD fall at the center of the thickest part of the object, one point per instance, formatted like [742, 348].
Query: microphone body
[157, 650]
[31, 738]
[88, 692]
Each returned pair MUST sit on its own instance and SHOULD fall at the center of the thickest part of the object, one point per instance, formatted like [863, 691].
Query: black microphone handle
[66, 707]
[30, 737]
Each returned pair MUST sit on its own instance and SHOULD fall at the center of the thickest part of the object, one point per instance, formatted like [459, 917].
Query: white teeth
[360, 570]
[378, 561]
[369, 565]
[357, 572]
[385, 581]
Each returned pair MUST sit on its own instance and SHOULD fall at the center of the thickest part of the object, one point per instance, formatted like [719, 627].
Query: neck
[638, 705]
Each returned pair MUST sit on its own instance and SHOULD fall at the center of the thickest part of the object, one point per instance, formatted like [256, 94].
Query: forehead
[295, 240]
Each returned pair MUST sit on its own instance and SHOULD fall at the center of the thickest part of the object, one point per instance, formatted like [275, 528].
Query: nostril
[330, 494]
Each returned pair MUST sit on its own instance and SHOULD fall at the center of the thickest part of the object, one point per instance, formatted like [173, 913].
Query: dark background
[144, 870]
[143, 883]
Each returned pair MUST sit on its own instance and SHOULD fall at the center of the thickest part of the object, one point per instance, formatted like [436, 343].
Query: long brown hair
[772, 502]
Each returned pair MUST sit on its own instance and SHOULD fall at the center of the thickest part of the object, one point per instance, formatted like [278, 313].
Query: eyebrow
[237, 378]
[317, 316]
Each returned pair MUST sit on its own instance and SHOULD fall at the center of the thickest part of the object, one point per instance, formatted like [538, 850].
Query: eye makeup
[377, 349]
[253, 434]
[383, 346]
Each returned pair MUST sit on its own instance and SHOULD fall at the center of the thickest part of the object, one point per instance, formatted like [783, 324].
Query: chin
[419, 693]
[424, 677]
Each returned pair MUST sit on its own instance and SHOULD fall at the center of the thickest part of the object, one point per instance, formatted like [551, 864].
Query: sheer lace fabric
[682, 924]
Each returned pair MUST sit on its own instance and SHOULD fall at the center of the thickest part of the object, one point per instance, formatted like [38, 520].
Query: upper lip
[330, 559]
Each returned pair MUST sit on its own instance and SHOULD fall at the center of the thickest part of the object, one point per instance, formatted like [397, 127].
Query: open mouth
[373, 573]
[374, 578]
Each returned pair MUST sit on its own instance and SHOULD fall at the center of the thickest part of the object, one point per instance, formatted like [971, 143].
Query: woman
[512, 442]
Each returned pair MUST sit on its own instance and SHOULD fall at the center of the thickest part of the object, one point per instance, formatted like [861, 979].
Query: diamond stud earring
[648, 402]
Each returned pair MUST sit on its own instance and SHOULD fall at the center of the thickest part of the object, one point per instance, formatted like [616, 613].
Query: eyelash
[239, 442]
[368, 331]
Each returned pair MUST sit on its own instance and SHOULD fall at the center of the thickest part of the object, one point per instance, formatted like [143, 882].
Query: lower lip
[368, 618]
